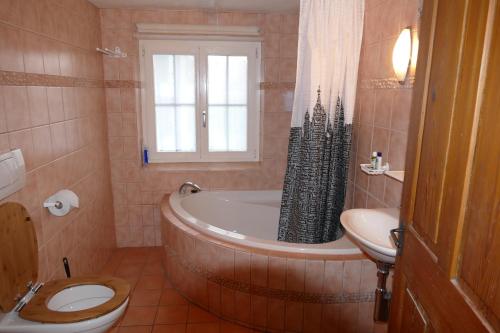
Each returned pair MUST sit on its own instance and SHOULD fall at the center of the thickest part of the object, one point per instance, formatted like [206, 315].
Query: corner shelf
[397, 175]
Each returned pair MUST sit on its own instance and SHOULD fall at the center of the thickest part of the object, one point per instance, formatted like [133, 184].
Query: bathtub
[248, 219]
[221, 253]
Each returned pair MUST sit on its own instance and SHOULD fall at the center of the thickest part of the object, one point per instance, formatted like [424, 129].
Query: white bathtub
[247, 218]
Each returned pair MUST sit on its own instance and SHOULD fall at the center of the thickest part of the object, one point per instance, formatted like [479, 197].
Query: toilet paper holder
[62, 202]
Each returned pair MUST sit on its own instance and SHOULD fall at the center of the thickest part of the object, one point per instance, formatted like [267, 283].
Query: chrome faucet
[194, 188]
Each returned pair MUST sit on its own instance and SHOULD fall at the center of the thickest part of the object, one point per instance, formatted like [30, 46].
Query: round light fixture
[401, 55]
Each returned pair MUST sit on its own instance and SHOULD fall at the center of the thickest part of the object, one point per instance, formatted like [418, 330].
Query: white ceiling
[245, 5]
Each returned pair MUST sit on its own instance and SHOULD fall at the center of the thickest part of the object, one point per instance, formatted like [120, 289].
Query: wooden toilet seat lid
[37, 310]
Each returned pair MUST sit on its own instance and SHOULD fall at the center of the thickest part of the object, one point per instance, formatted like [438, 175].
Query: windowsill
[203, 166]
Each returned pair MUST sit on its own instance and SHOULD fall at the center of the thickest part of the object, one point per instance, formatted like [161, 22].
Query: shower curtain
[330, 33]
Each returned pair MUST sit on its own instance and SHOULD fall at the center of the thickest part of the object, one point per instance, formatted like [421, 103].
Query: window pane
[237, 80]
[175, 99]
[217, 75]
[163, 65]
[184, 79]
[237, 128]
[217, 128]
[227, 103]
[186, 128]
[165, 128]
[175, 128]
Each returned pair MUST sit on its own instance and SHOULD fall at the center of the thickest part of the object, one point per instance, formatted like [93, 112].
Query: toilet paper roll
[62, 202]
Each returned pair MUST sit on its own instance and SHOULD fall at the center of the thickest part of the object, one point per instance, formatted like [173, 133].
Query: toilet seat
[37, 309]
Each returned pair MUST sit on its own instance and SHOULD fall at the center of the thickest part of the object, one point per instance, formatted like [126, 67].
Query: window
[201, 100]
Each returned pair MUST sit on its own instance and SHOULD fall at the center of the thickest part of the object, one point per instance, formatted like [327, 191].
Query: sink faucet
[194, 188]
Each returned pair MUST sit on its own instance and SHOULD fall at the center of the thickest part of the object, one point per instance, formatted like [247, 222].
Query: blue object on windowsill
[146, 157]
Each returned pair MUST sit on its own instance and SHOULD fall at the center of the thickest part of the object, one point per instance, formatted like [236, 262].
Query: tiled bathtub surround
[267, 291]
[52, 107]
[137, 190]
[382, 111]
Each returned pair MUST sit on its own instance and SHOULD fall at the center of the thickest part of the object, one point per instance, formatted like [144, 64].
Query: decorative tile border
[122, 84]
[388, 83]
[285, 295]
[277, 85]
[31, 79]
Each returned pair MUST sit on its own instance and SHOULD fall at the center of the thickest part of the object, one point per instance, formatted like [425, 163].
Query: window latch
[204, 118]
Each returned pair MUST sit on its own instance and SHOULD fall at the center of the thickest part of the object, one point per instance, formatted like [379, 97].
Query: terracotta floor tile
[151, 282]
[153, 268]
[139, 315]
[132, 281]
[128, 270]
[176, 328]
[135, 329]
[172, 314]
[172, 297]
[145, 297]
[198, 315]
[167, 284]
[203, 328]
[227, 327]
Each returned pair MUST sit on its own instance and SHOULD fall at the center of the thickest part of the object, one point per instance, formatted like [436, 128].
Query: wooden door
[448, 275]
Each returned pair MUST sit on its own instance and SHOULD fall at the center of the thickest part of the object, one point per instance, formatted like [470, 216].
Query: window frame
[201, 49]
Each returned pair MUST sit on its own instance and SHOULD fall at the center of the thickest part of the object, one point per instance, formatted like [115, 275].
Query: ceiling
[244, 5]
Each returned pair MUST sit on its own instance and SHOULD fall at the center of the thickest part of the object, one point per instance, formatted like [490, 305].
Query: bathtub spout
[194, 188]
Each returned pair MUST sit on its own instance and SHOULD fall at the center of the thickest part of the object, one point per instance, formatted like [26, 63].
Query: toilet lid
[18, 254]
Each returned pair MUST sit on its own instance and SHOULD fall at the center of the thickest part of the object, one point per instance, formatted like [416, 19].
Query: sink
[370, 230]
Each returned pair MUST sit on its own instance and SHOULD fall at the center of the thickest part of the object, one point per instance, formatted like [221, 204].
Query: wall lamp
[404, 54]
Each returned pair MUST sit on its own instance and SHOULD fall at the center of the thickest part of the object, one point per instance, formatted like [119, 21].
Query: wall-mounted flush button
[12, 173]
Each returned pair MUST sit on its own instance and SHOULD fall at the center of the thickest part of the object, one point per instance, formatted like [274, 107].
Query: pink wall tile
[243, 306]
[33, 57]
[351, 276]
[277, 272]
[225, 256]
[315, 272]
[333, 282]
[17, 107]
[295, 274]
[331, 318]
[276, 314]
[259, 269]
[349, 317]
[294, 316]
[312, 317]
[259, 310]
[228, 303]
[242, 266]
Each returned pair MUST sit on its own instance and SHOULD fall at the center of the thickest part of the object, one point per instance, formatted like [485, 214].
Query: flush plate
[12, 173]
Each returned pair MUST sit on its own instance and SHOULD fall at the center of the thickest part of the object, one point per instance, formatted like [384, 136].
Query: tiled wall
[137, 190]
[52, 107]
[382, 112]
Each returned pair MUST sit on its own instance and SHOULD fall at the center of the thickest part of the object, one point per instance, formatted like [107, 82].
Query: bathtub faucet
[194, 188]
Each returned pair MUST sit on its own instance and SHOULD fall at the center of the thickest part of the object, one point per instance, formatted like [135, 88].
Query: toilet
[82, 304]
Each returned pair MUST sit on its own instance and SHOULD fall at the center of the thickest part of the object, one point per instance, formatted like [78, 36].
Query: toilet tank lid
[18, 254]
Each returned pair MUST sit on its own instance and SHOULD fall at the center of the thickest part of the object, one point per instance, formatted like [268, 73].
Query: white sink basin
[370, 229]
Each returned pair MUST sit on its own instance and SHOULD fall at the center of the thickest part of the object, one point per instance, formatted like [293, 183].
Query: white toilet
[82, 304]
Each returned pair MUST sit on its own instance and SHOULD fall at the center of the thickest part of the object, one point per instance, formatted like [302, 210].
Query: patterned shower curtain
[330, 33]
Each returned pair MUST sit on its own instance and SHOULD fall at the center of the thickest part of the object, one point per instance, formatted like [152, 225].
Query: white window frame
[201, 49]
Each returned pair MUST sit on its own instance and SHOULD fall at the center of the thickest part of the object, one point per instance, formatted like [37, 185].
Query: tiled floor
[154, 306]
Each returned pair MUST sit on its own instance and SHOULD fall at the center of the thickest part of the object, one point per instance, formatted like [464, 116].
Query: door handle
[397, 237]
[204, 118]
